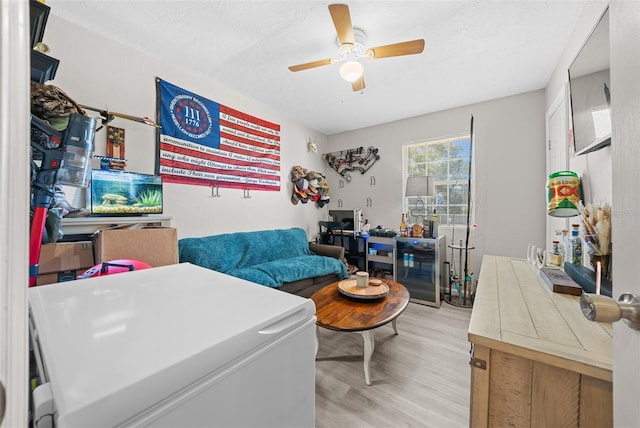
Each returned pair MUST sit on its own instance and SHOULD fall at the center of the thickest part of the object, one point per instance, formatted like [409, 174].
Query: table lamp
[420, 185]
[423, 186]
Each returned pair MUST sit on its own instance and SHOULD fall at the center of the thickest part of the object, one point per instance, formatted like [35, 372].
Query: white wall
[509, 156]
[98, 72]
[594, 168]
[509, 150]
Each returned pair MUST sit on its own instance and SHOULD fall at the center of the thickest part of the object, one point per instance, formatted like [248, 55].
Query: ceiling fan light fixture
[351, 43]
[351, 71]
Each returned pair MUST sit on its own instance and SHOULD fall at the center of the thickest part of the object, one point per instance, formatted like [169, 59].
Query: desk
[332, 229]
[333, 233]
[537, 361]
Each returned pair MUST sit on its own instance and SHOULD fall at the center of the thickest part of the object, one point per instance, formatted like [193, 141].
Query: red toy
[114, 266]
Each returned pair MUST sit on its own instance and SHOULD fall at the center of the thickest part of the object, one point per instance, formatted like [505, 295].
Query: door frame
[559, 104]
[625, 216]
[14, 209]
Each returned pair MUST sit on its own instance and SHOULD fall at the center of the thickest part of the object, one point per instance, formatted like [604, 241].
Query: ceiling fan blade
[342, 21]
[308, 65]
[397, 49]
[358, 85]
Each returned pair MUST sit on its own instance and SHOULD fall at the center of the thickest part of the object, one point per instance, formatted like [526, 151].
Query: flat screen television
[122, 193]
[589, 84]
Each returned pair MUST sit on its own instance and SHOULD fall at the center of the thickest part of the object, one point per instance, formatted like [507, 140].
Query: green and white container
[564, 191]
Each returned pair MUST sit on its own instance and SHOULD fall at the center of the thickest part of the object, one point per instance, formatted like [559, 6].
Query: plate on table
[348, 287]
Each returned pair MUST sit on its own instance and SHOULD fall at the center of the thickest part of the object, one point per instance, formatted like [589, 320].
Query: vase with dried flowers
[596, 223]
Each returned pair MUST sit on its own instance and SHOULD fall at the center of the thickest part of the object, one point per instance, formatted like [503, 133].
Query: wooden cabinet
[536, 361]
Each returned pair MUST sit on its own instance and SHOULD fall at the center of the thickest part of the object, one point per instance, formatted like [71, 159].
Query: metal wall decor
[359, 159]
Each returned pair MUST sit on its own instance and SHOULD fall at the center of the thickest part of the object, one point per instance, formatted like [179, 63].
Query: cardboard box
[62, 276]
[64, 261]
[157, 246]
[65, 256]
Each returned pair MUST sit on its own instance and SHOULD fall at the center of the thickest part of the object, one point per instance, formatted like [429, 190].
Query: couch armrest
[334, 251]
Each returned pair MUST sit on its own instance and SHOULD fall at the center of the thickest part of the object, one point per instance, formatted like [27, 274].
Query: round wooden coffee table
[341, 313]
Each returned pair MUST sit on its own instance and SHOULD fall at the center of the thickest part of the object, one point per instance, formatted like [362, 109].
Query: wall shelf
[596, 145]
[89, 225]
[377, 263]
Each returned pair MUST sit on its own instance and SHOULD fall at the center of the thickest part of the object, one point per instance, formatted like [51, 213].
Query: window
[448, 161]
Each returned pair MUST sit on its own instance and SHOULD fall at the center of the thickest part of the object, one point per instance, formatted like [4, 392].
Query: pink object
[114, 266]
[35, 242]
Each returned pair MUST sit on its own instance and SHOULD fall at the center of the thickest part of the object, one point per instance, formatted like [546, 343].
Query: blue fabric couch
[279, 258]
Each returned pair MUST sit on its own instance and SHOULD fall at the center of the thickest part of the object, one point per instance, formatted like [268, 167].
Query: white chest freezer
[172, 346]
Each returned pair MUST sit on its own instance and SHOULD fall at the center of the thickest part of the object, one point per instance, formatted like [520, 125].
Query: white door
[625, 146]
[14, 209]
[556, 158]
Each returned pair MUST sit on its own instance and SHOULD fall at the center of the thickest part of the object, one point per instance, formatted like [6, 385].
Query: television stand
[88, 225]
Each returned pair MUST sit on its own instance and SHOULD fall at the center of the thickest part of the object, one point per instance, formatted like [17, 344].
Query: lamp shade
[420, 185]
[351, 71]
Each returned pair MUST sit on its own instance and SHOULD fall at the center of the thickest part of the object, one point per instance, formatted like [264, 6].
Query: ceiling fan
[352, 49]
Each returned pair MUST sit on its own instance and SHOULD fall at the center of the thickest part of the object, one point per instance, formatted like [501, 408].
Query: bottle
[426, 230]
[411, 260]
[403, 226]
[576, 245]
[566, 246]
[434, 224]
[555, 257]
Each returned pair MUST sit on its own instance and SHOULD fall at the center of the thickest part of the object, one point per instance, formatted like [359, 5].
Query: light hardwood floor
[419, 378]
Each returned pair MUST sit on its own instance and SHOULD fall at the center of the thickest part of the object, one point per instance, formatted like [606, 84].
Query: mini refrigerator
[173, 346]
[419, 267]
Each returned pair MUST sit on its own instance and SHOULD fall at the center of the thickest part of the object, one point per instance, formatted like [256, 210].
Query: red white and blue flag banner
[205, 143]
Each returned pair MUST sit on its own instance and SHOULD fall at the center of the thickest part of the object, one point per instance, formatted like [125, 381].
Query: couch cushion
[311, 290]
[243, 249]
[277, 272]
[296, 287]
[322, 279]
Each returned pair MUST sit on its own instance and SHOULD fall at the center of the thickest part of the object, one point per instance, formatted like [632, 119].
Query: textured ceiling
[475, 50]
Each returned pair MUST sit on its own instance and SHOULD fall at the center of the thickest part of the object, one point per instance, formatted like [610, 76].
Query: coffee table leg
[369, 345]
[394, 323]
